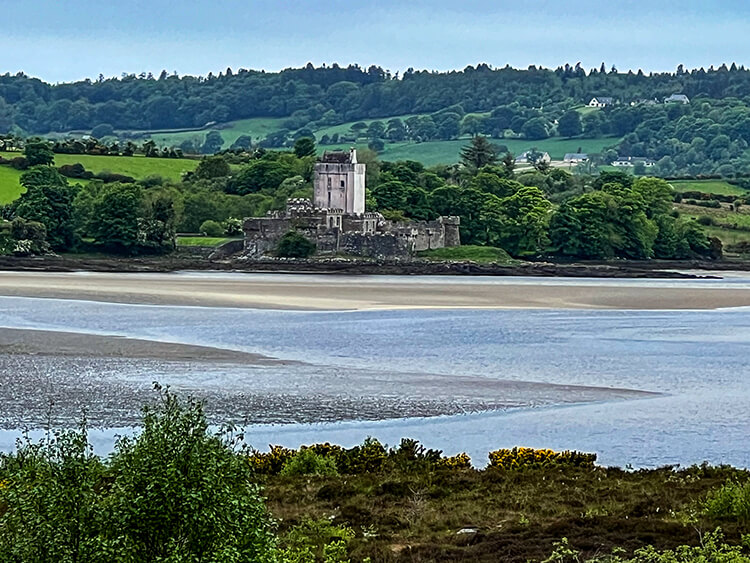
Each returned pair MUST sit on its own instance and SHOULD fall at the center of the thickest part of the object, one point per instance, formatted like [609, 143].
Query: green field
[448, 152]
[720, 187]
[10, 189]
[136, 166]
[201, 241]
[480, 254]
[257, 128]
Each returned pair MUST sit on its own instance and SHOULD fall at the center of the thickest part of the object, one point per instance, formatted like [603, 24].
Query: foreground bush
[174, 493]
[730, 502]
[712, 550]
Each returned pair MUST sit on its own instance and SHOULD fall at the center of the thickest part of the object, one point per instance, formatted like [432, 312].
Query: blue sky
[62, 40]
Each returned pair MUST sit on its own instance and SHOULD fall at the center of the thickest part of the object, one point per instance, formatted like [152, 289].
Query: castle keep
[336, 220]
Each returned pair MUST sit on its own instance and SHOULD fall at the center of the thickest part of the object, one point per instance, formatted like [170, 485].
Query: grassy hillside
[708, 186]
[257, 128]
[448, 152]
[10, 189]
[135, 166]
[429, 153]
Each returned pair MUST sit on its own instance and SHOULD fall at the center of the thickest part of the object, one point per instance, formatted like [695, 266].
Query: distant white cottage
[677, 99]
[601, 102]
[532, 157]
[630, 161]
[575, 157]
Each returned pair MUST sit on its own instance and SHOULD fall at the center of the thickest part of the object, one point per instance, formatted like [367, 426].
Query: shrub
[75, 171]
[316, 540]
[295, 245]
[111, 178]
[523, 458]
[705, 220]
[232, 227]
[211, 228]
[730, 502]
[459, 461]
[272, 462]
[307, 462]
[182, 493]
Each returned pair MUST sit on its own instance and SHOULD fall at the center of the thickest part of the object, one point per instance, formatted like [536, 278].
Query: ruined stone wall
[375, 245]
[357, 235]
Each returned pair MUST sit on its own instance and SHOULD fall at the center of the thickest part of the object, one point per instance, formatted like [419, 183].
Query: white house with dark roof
[601, 102]
[532, 157]
[677, 99]
[575, 157]
[630, 161]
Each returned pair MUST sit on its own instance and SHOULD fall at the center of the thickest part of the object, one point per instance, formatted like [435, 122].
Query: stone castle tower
[339, 182]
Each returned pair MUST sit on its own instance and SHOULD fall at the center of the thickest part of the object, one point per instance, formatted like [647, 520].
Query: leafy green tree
[304, 146]
[390, 195]
[48, 200]
[536, 128]
[569, 125]
[102, 130]
[478, 153]
[243, 142]
[518, 223]
[263, 174]
[114, 223]
[212, 167]
[656, 193]
[376, 130]
[39, 153]
[158, 224]
[52, 498]
[182, 493]
[488, 182]
[213, 143]
[295, 245]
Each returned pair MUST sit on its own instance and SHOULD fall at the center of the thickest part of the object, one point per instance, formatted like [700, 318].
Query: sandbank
[303, 292]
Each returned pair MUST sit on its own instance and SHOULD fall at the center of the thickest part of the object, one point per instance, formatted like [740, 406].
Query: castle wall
[375, 245]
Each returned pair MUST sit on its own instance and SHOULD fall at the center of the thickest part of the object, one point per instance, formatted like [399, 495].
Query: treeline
[331, 95]
[544, 211]
[538, 212]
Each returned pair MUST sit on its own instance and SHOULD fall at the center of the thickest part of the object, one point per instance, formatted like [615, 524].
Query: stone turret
[451, 224]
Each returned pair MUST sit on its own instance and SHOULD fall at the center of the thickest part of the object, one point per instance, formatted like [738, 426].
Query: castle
[336, 221]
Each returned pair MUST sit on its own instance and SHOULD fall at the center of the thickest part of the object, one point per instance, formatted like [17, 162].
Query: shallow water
[406, 363]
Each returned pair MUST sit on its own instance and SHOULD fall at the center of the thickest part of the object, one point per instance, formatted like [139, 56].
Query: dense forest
[710, 135]
[331, 93]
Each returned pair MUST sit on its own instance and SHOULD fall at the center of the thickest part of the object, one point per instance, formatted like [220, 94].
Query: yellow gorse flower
[520, 458]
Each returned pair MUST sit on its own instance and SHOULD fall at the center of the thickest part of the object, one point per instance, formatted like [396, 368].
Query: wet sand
[357, 293]
[79, 345]
[54, 377]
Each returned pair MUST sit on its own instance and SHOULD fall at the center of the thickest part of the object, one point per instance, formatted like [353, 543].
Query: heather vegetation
[178, 491]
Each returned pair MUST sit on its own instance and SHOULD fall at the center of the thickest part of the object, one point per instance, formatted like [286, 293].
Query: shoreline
[360, 293]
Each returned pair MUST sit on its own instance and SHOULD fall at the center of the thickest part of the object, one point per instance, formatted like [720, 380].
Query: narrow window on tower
[329, 183]
[343, 184]
[329, 200]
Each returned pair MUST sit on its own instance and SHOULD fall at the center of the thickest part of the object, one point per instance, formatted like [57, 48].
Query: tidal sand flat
[46, 374]
[334, 292]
